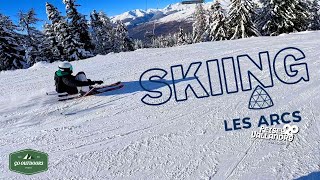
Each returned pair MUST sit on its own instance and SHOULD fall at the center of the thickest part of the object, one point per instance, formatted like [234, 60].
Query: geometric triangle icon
[260, 99]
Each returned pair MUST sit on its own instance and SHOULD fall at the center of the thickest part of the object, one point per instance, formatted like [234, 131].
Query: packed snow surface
[116, 136]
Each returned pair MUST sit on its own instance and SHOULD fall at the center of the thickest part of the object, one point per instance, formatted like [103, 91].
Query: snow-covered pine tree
[303, 15]
[189, 38]
[79, 26]
[164, 41]
[46, 53]
[66, 40]
[170, 40]
[96, 28]
[102, 32]
[256, 6]
[199, 25]
[240, 19]
[51, 45]
[315, 15]
[34, 38]
[218, 28]
[53, 13]
[138, 44]
[51, 35]
[11, 53]
[72, 48]
[155, 42]
[109, 35]
[181, 37]
[122, 41]
[158, 42]
[283, 16]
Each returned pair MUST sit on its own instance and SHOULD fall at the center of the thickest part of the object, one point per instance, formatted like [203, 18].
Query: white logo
[287, 133]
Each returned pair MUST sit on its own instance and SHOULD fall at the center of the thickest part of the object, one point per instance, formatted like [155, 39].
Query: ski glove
[91, 82]
[98, 82]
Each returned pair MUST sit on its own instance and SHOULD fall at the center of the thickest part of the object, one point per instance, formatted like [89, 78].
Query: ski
[70, 97]
[77, 95]
[103, 90]
[94, 93]
[63, 95]
[109, 85]
[53, 93]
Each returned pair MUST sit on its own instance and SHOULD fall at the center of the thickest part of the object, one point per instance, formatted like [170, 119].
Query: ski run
[114, 135]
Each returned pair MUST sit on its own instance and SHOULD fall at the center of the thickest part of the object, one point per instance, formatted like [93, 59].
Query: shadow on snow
[134, 86]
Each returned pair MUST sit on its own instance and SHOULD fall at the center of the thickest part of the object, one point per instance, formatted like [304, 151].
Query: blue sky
[111, 7]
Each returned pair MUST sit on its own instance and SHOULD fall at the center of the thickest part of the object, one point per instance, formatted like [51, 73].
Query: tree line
[69, 37]
[246, 19]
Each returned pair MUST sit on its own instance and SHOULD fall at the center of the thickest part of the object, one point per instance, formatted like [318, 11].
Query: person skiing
[66, 82]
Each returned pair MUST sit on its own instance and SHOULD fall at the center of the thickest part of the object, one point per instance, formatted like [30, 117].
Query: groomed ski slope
[116, 136]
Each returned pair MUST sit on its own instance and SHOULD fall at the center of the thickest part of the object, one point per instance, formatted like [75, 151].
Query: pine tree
[199, 26]
[315, 15]
[72, 48]
[164, 41]
[172, 40]
[78, 25]
[240, 18]
[122, 40]
[303, 15]
[218, 28]
[102, 32]
[138, 44]
[51, 33]
[34, 38]
[283, 16]
[157, 42]
[53, 14]
[189, 38]
[50, 44]
[181, 37]
[11, 53]
[45, 52]
[62, 36]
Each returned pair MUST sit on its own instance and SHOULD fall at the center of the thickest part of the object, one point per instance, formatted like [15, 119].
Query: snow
[116, 136]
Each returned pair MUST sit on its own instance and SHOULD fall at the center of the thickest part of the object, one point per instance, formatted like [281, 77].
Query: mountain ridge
[166, 20]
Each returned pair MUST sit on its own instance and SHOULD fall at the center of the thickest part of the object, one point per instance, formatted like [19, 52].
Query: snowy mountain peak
[166, 19]
[130, 15]
[173, 12]
[138, 16]
[179, 6]
[137, 12]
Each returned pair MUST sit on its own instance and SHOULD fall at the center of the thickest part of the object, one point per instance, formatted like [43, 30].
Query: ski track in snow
[116, 136]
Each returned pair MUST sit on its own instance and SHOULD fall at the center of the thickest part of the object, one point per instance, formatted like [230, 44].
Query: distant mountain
[166, 20]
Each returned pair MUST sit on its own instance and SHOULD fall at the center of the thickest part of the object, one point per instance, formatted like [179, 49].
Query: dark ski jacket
[65, 82]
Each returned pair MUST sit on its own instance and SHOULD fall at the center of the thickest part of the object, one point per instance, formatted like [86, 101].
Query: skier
[66, 82]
